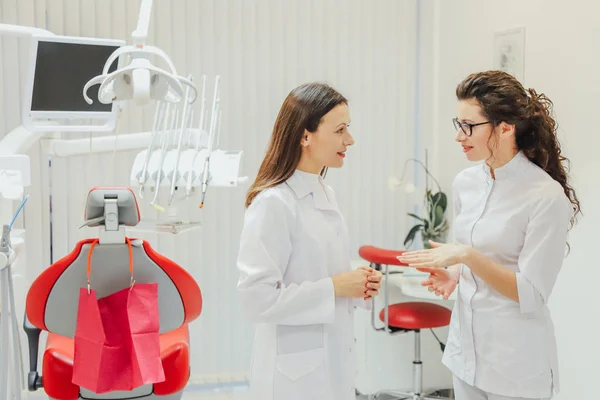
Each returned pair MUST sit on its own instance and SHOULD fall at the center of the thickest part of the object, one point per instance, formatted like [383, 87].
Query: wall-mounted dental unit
[74, 85]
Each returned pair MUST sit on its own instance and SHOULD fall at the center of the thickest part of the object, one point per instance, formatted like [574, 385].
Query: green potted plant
[433, 224]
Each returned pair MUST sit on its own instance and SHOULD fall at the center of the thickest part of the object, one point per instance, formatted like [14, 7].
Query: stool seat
[416, 315]
[377, 255]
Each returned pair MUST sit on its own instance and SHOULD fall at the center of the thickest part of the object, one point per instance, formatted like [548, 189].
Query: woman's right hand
[441, 281]
[352, 284]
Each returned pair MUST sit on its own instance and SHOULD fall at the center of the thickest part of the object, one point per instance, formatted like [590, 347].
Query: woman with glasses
[512, 214]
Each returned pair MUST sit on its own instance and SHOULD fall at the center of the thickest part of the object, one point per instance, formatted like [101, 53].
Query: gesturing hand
[439, 256]
[440, 281]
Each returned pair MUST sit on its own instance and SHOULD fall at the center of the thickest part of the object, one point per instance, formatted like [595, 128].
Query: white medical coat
[293, 240]
[519, 220]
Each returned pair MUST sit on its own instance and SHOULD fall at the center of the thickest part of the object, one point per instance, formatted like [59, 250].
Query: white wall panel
[262, 49]
[557, 50]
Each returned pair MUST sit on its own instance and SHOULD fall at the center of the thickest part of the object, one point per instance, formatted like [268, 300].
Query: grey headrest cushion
[126, 203]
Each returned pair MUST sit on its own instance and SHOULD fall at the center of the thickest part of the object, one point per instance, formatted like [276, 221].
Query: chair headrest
[123, 205]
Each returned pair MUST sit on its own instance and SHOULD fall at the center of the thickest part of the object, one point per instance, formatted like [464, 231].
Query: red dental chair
[52, 302]
[404, 317]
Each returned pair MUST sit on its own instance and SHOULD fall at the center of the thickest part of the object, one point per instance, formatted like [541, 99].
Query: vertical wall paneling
[261, 49]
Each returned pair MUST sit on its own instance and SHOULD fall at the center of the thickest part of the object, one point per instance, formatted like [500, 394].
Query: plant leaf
[440, 199]
[416, 216]
[439, 216]
[430, 206]
[430, 201]
[411, 234]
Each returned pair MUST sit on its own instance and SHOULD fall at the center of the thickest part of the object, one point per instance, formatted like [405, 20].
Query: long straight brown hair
[302, 110]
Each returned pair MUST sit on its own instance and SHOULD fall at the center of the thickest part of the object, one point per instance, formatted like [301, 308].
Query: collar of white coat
[511, 168]
[304, 183]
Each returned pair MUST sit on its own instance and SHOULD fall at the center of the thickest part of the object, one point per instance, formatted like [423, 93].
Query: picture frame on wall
[509, 52]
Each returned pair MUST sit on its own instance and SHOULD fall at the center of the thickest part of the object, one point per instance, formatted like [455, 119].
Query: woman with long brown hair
[512, 214]
[296, 281]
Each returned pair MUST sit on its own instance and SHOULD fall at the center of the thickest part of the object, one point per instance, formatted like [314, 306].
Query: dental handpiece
[213, 123]
[204, 181]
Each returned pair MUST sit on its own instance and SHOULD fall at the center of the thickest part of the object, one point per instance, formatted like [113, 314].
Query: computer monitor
[59, 68]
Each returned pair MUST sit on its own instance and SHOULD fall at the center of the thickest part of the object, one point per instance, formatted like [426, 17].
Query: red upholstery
[57, 364]
[416, 315]
[42, 286]
[175, 356]
[188, 288]
[380, 256]
[408, 315]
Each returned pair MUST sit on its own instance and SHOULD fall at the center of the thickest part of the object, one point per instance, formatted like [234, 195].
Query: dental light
[139, 80]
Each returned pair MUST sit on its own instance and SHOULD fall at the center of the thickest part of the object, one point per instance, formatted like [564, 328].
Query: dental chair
[52, 302]
[405, 317]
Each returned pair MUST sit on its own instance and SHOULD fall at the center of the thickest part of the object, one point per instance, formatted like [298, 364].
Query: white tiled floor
[241, 394]
[224, 395]
[192, 392]
[208, 395]
[225, 392]
[235, 394]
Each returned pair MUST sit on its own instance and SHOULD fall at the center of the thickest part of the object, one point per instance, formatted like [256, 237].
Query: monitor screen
[61, 72]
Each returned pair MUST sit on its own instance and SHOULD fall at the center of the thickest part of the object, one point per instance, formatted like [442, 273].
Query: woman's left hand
[373, 282]
[439, 256]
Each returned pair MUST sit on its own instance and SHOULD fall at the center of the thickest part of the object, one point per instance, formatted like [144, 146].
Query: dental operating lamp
[139, 81]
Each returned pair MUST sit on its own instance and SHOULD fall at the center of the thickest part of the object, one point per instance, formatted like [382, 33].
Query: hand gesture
[359, 283]
[440, 281]
[439, 256]
[373, 282]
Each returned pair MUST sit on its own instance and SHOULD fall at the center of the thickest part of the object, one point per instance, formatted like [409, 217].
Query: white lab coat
[293, 240]
[520, 220]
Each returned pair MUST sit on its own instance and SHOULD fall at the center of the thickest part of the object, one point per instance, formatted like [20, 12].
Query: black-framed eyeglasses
[466, 127]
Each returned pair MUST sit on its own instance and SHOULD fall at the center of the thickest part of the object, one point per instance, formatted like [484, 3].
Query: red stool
[404, 317]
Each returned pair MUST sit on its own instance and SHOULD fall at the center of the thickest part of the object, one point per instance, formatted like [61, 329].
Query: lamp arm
[141, 31]
[424, 167]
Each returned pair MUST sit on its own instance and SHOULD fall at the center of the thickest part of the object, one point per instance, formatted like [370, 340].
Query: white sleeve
[456, 207]
[364, 304]
[543, 251]
[265, 248]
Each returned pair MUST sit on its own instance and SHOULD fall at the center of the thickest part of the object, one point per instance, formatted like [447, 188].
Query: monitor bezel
[29, 114]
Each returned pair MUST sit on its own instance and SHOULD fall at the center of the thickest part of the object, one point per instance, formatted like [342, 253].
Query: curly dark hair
[503, 99]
